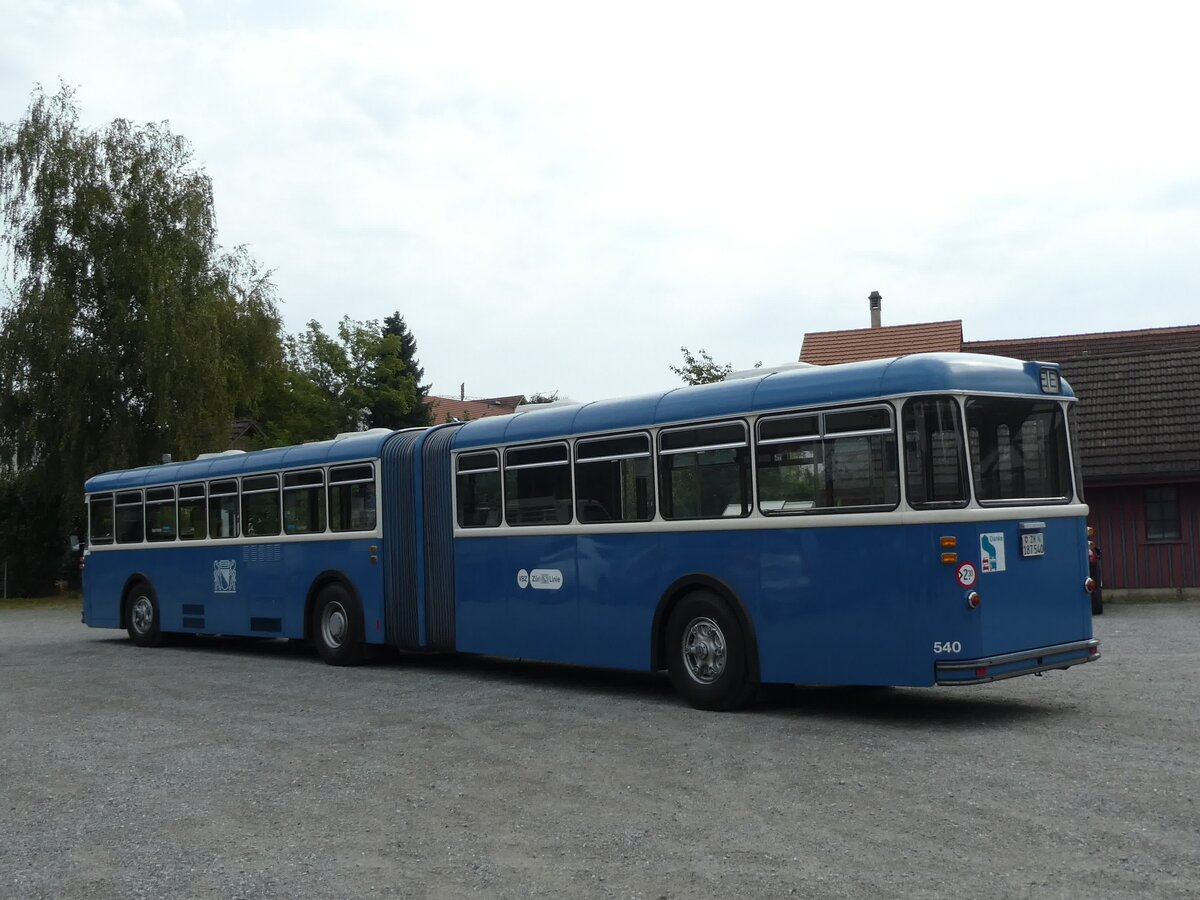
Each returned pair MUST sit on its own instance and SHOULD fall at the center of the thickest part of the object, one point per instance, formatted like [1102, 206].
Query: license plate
[1033, 544]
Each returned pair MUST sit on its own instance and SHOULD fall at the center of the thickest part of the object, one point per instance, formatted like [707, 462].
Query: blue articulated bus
[908, 521]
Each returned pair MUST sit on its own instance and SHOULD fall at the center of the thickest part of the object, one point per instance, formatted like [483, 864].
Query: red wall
[1119, 516]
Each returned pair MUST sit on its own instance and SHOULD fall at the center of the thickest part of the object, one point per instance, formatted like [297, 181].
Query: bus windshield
[1018, 450]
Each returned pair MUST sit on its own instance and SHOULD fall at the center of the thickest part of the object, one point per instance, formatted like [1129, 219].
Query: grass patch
[57, 601]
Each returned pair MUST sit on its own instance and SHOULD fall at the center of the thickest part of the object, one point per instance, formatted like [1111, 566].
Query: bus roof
[783, 389]
[344, 448]
[774, 389]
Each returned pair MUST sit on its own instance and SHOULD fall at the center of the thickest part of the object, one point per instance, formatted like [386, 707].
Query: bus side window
[193, 524]
[160, 514]
[100, 519]
[223, 509]
[260, 505]
[704, 471]
[304, 502]
[477, 489]
[352, 498]
[537, 485]
[613, 481]
[130, 520]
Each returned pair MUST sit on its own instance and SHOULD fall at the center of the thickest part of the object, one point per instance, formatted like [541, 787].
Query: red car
[1094, 557]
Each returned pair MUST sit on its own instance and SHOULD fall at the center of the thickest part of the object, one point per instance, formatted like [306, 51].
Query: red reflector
[1093, 651]
[981, 672]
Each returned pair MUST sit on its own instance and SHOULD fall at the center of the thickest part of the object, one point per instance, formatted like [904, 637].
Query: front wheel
[707, 654]
[141, 616]
[337, 626]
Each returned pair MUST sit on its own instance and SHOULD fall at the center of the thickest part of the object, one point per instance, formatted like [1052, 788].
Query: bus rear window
[1018, 450]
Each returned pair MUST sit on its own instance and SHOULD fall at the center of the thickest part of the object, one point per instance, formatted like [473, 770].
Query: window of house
[613, 481]
[478, 489]
[537, 485]
[704, 471]
[1162, 513]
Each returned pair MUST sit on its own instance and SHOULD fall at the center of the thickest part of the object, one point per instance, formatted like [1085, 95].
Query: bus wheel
[706, 654]
[141, 616]
[337, 626]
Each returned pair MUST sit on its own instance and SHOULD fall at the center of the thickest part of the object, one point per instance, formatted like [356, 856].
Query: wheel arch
[679, 589]
[322, 581]
[130, 583]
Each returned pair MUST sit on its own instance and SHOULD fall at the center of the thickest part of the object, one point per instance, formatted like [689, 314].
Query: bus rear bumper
[1010, 665]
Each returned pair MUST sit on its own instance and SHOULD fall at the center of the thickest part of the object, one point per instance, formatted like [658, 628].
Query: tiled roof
[1138, 414]
[1104, 343]
[826, 348]
[450, 409]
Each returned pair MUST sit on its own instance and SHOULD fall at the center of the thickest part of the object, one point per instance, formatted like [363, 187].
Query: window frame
[158, 502]
[460, 472]
[745, 468]
[334, 481]
[511, 497]
[823, 438]
[579, 461]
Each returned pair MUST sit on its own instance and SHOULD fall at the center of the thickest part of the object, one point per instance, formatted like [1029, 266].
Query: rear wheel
[707, 654]
[337, 626]
[141, 616]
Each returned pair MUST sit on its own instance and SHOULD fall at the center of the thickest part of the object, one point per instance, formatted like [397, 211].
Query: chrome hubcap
[704, 650]
[334, 623]
[142, 615]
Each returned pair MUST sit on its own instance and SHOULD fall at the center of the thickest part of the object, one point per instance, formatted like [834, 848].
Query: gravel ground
[250, 769]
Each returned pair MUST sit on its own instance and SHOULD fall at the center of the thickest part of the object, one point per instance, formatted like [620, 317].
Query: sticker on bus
[991, 552]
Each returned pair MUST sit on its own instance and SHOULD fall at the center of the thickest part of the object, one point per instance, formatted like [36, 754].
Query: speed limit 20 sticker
[965, 574]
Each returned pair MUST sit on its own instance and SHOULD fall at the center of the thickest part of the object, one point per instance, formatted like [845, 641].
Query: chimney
[462, 391]
[876, 300]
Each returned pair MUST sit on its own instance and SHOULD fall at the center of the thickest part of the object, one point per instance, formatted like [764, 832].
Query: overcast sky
[559, 195]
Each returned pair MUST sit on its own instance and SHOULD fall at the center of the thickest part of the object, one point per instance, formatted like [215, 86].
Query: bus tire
[337, 626]
[141, 616]
[707, 656]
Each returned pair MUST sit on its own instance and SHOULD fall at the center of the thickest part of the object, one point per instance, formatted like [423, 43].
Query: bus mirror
[73, 540]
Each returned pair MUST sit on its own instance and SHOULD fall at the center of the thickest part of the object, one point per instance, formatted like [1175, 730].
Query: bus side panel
[620, 583]
[499, 612]
[103, 581]
[837, 607]
[352, 558]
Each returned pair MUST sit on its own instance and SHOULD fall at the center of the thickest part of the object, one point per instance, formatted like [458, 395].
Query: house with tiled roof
[827, 348]
[1137, 430]
[459, 409]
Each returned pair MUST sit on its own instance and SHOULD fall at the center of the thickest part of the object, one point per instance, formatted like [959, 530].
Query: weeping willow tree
[127, 332]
